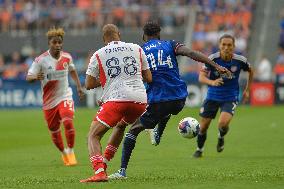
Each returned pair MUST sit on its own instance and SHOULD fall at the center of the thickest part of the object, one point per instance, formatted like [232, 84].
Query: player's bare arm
[147, 76]
[75, 78]
[203, 78]
[246, 93]
[32, 78]
[91, 82]
[198, 56]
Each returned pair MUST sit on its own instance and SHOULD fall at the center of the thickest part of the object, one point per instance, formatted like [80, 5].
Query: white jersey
[55, 86]
[119, 67]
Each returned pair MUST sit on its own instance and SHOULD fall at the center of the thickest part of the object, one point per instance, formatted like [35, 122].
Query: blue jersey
[167, 84]
[229, 91]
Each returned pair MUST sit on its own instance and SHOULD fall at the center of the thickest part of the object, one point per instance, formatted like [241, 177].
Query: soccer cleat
[100, 177]
[220, 144]
[154, 136]
[197, 154]
[65, 159]
[120, 174]
[72, 159]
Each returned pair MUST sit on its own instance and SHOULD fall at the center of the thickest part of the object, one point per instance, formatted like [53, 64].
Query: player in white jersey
[119, 68]
[52, 68]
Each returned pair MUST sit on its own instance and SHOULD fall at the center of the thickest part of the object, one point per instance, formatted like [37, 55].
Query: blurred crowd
[24, 15]
[279, 66]
[214, 18]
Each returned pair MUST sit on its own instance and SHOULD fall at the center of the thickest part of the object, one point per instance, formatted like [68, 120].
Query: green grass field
[253, 155]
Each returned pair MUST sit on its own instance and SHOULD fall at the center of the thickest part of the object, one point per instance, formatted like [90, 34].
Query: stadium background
[258, 26]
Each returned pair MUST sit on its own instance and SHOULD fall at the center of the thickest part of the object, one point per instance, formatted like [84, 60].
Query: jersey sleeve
[175, 45]
[71, 66]
[144, 61]
[245, 66]
[35, 67]
[93, 67]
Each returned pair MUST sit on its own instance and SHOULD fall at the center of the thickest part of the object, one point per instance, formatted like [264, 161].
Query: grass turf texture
[253, 155]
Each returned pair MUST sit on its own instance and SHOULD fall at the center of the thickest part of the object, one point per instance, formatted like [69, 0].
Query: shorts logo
[234, 68]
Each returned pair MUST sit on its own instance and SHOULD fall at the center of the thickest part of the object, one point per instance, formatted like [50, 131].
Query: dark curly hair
[151, 28]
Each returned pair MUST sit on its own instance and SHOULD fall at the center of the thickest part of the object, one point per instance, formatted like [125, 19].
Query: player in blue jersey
[166, 93]
[222, 93]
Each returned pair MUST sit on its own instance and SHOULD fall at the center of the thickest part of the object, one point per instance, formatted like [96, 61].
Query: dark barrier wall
[20, 94]
[90, 41]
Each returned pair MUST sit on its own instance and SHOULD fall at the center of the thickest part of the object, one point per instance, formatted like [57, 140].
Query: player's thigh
[156, 112]
[173, 107]
[227, 112]
[109, 114]
[209, 109]
[66, 110]
[132, 111]
[52, 118]
[151, 117]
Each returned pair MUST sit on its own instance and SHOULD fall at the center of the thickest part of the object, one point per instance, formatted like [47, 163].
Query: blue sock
[128, 146]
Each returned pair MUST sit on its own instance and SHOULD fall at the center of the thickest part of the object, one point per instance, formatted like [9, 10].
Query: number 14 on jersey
[160, 61]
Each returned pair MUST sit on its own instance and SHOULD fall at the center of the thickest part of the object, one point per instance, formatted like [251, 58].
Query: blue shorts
[158, 111]
[210, 108]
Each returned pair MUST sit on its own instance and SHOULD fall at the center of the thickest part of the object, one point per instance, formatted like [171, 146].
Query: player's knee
[68, 124]
[223, 123]
[136, 130]
[54, 127]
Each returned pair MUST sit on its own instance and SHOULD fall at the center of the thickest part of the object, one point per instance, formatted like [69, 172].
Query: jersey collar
[114, 43]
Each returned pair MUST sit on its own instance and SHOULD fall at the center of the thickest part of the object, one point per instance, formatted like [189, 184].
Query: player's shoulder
[239, 58]
[134, 45]
[41, 57]
[66, 55]
[214, 56]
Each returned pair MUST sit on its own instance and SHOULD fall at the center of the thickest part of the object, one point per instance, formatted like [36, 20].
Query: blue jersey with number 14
[167, 84]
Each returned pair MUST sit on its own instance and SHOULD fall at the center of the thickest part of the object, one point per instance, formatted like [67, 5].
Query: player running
[52, 68]
[119, 68]
[167, 92]
[222, 93]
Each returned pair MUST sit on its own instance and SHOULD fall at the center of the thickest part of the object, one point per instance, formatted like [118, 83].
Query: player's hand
[40, 76]
[81, 93]
[217, 82]
[246, 96]
[224, 72]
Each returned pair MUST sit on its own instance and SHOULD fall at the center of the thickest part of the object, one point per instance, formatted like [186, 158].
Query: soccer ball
[188, 127]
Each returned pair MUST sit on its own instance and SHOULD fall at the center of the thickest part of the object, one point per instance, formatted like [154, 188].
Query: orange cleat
[71, 159]
[100, 177]
[65, 159]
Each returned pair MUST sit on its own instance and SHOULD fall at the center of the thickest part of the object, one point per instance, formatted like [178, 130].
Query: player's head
[55, 39]
[151, 30]
[110, 33]
[226, 46]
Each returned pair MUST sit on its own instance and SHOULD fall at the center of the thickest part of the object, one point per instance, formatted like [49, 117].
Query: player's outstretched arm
[91, 82]
[74, 75]
[32, 78]
[205, 80]
[199, 57]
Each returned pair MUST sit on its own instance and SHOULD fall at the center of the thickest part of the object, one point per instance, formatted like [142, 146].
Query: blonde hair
[54, 32]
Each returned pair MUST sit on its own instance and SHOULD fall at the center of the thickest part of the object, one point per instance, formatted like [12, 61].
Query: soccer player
[222, 93]
[167, 92]
[119, 68]
[52, 68]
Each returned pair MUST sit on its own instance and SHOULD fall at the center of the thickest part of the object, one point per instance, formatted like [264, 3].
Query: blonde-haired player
[52, 68]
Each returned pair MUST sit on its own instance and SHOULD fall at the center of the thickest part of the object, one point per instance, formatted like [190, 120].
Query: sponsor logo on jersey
[234, 68]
